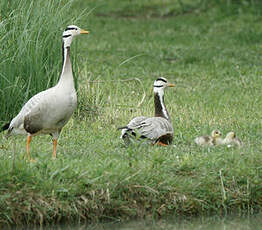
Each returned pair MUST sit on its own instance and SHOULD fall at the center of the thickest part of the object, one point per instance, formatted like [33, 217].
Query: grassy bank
[214, 57]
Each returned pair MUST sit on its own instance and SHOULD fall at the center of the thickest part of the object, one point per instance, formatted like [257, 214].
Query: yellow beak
[171, 85]
[83, 31]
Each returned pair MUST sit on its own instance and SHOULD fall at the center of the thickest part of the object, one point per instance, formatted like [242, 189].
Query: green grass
[213, 56]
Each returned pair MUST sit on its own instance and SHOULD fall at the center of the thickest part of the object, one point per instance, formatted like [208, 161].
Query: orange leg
[54, 149]
[161, 143]
[29, 138]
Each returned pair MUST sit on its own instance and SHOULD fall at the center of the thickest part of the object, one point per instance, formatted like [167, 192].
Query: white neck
[67, 73]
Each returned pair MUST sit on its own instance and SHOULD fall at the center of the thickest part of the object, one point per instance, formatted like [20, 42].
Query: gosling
[214, 139]
[232, 140]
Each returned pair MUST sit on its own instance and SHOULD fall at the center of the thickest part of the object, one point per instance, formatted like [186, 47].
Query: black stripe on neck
[67, 35]
[161, 79]
[158, 86]
[159, 107]
[63, 52]
[70, 28]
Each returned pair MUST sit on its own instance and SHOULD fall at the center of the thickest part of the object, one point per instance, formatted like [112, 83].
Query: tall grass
[30, 49]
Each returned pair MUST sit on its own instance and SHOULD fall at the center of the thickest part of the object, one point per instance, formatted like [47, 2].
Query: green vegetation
[214, 57]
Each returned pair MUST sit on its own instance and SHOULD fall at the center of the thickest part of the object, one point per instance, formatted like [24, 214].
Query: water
[201, 223]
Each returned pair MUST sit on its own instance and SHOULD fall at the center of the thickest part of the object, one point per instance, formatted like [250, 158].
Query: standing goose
[157, 129]
[48, 111]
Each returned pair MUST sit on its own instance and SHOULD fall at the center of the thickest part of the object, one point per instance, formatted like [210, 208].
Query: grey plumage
[153, 128]
[157, 129]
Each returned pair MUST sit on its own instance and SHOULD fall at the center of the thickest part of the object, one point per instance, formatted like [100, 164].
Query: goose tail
[5, 127]
[123, 127]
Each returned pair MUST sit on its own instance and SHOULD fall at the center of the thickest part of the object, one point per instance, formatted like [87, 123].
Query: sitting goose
[157, 129]
[214, 139]
[48, 111]
[232, 139]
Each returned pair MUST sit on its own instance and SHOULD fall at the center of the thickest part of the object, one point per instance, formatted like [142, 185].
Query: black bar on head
[161, 79]
[70, 28]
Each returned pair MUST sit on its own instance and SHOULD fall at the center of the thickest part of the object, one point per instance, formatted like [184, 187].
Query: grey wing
[131, 126]
[136, 122]
[155, 127]
[32, 106]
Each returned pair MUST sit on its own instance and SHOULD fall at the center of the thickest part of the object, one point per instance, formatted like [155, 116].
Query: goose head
[70, 32]
[160, 84]
[215, 134]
